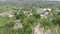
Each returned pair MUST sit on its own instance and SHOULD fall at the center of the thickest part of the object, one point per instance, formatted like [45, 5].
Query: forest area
[39, 19]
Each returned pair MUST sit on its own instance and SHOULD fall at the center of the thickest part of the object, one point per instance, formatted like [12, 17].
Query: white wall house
[47, 9]
[3, 15]
[6, 15]
[45, 14]
[10, 16]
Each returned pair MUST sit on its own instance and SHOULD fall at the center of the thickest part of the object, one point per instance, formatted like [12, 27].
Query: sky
[3, 0]
[32, 0]
[51, 0]
[45, 0]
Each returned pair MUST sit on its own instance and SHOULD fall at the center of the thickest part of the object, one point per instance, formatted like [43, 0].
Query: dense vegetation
[28, 22]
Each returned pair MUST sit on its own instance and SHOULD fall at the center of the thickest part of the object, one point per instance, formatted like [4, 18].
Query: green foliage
[27, 22]
[56, 20]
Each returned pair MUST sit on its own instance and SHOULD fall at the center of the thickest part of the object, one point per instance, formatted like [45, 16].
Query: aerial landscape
[29, 16]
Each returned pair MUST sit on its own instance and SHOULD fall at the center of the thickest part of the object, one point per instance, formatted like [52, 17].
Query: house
[43, 16]
[6, 15]
[10, 15]
[49, 9]
[46, 12]
[3, 15]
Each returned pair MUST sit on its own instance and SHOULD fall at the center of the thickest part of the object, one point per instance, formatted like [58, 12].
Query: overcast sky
[3, 0]
[51, 0]
[30, 0]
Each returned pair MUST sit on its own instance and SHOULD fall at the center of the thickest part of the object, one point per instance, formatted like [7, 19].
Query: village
[37, 20]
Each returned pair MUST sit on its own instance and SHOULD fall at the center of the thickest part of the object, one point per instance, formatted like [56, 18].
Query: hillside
[29, 17]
